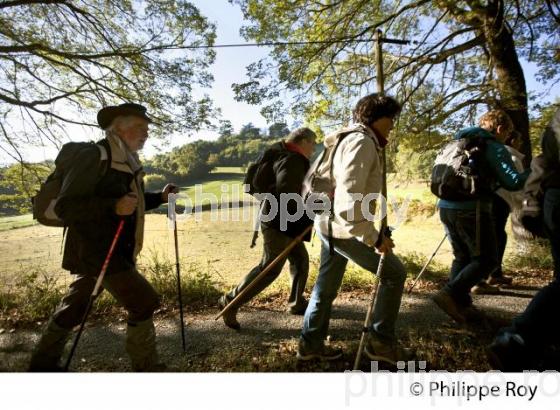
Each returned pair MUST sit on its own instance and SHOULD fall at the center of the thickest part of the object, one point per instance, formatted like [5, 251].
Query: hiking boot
[501, 280]
[391, 353]
[508, 353]
[229, 317]
[299, 309]
[324, 353]
[141, 347]
[484, 288]
[472, 314]
[48, 352]
[446, 303]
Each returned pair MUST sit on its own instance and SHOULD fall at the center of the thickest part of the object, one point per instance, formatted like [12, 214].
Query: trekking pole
[267, 269]
[373, 297]
[367, 320]
[426, 264]
[257, 225]
[96, 291]
[179, 292]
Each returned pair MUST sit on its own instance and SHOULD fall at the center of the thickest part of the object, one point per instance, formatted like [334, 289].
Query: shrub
[198, 285]
[34, 296]
[531, 255]
[154, 182]
[418, 208]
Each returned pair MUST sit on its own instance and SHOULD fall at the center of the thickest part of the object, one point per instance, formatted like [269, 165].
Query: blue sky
[228, 68]
[230, 63]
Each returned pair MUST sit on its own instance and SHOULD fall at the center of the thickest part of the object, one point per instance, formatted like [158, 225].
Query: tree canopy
[62, 60]
[466, 56]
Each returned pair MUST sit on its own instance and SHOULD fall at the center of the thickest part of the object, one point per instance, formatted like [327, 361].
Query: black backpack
[461, 172]
[260, 177]
[44, 201]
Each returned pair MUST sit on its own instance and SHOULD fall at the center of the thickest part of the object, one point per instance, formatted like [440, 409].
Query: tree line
[183, 165]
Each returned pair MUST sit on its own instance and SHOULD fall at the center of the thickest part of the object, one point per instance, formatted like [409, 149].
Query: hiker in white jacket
[351, 235]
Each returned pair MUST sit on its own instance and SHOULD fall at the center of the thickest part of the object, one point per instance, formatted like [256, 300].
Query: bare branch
[15, 3]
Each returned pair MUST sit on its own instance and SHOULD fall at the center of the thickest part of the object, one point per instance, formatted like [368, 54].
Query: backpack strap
[62, 242]
[105, 151]
[331, 175]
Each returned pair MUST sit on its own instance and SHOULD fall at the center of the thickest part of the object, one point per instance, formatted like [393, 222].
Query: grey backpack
[460, 171]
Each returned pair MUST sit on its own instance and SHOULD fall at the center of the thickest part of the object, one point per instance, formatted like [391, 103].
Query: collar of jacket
[121, 157]
[473, 132]
[382, 141]
[290, 146]
[378, 139]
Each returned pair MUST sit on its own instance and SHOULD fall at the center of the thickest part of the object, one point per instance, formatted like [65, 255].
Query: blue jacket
[499, 162]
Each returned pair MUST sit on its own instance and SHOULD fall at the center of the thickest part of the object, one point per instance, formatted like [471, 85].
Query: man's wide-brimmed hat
[106, 115]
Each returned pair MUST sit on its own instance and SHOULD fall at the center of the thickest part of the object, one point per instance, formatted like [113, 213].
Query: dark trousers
[274, 243]
[472, 261]
[129, 288]
[500, 212]
[539, 324]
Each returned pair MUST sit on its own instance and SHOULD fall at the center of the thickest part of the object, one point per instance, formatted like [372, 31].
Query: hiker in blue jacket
[469, 223]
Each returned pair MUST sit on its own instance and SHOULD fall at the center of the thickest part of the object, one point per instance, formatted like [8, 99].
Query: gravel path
[268, 338]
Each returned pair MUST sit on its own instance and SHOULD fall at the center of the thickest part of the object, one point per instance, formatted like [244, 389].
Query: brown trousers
[129, 288]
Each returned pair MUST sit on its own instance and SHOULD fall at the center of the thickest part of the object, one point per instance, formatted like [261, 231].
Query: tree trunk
[510, 79]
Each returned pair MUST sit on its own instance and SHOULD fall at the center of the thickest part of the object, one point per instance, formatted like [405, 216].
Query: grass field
[222, 185]
[216, 243]
[13, 222]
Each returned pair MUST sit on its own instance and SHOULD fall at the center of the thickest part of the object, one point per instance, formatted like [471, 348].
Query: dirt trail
[268, 338]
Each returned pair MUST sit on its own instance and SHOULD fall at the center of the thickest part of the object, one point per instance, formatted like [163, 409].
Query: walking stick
[426, 264]
[179, 293]
[369, 313]
[284, 253]
[94, 294]
[365, 328]
[257, 225]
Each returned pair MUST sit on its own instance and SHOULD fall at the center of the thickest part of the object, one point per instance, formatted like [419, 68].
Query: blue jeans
[471, 263]
[539, 324]
[331, 272]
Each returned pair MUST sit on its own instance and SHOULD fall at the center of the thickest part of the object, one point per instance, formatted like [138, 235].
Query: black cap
[106, 115]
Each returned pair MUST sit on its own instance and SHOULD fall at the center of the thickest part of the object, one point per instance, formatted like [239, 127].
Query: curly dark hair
[375, 106]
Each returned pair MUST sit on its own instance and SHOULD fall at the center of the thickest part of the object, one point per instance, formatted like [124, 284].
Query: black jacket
[290, 169]
[87, 206]
[546, 166]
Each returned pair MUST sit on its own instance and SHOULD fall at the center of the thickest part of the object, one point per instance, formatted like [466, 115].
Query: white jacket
[357, 169]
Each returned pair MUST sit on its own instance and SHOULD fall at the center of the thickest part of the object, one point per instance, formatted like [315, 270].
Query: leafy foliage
[195, 160]
[61, 60]
[18, 183]
[467, 57]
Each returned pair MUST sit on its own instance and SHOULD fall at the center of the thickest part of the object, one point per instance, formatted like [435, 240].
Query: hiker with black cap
[285, 165]
[100, 188]
[466, 173]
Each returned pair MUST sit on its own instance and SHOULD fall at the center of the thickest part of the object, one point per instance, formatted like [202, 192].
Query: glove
[387, 233]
